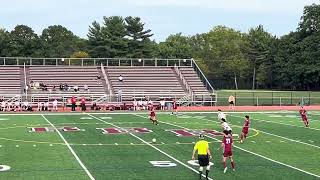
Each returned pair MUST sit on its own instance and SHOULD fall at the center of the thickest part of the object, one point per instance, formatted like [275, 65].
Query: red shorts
[245, 131]
[227, 153]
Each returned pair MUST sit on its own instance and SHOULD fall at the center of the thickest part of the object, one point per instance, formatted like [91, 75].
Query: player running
[152, 117]
[245, 129]
[204, 154]
[225, 126]
[304, 117]
[221, 115]
[227, 143]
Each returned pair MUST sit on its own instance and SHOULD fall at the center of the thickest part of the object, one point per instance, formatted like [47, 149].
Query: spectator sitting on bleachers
[75, 88]
[36, 85]
[120, 78]
[61, 87]
[66, 87]
[17, 106]
[9, 106]
[25, 105]
[3, 105]
[54, 88]
[86, 88]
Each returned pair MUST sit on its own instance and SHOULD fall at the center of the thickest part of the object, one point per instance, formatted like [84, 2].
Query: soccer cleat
[234, 170]
[225, 170]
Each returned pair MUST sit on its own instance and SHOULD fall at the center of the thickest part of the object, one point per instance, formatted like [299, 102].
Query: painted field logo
[41, 129]
[71, 129]
[112, 131]
[124, 130]
[189, 133]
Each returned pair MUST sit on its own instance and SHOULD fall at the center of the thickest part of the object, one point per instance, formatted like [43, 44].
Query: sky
[163, 17]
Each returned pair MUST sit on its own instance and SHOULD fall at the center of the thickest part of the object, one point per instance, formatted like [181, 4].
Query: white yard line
[162, 152]
[280, 123]
[71, 150]
[292, 167]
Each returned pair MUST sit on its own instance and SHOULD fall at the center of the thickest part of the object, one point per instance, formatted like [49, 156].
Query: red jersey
[73, 100]
[83, 101]
[227, 141]
[152, 113]
[303, 112]
[246, 124]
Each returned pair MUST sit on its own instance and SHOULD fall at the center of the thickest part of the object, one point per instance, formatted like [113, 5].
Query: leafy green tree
[138, 38]
[108, 40]
[175, 46]
[58, 41]
[260, 51]
[24, 42]
[310, 20]
[4, 43]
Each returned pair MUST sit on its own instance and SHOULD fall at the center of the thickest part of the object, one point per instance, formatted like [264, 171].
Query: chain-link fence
[269, 98]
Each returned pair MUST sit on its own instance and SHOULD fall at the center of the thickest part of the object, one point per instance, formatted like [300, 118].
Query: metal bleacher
[152, 79]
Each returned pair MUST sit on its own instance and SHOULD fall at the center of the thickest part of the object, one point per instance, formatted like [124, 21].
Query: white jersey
[226, 126]
[55, 103]
[221, 115]
[3, 104]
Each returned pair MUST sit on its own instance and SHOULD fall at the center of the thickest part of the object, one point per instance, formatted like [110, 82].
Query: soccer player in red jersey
[174, 107]
[245, 129]
[226, 144]
[152, 117]
[304, 117]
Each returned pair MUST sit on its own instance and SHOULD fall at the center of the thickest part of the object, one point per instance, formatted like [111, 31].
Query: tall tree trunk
[235, 81]
[254, 78]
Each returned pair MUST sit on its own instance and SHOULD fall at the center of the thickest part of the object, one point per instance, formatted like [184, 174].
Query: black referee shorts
[203, 160]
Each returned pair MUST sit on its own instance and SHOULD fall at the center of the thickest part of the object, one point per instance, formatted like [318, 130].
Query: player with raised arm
[245, 129]
[204, 154]
[227, 143]
[152, 117]
[304, 117]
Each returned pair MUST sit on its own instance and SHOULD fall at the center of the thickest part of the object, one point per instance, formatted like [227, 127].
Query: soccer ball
[154, 140]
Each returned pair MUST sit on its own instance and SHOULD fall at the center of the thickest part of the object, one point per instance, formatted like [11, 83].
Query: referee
[202, 146]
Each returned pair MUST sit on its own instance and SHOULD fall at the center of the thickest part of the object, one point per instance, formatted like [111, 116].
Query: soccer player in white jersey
[221, 115]
[226, 126]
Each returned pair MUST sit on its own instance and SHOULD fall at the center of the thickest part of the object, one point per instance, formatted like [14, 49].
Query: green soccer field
[278, 146]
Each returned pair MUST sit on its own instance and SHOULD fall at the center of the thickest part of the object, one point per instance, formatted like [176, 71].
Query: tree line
[229, 58]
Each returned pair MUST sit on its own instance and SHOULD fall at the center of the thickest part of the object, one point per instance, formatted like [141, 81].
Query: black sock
[200, 173]
[207, 173]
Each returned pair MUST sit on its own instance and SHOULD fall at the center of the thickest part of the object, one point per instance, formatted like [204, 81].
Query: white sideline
[70, 148]
[280, 123]
[306, 172]
[164, 153]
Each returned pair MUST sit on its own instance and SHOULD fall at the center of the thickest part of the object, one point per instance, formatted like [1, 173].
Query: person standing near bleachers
[83, 104]
[55, 105]
[73, 103]
[135, 104]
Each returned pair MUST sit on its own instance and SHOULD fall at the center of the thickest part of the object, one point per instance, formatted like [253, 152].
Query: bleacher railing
[20, 61]
[183, 79]
[202, 77]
